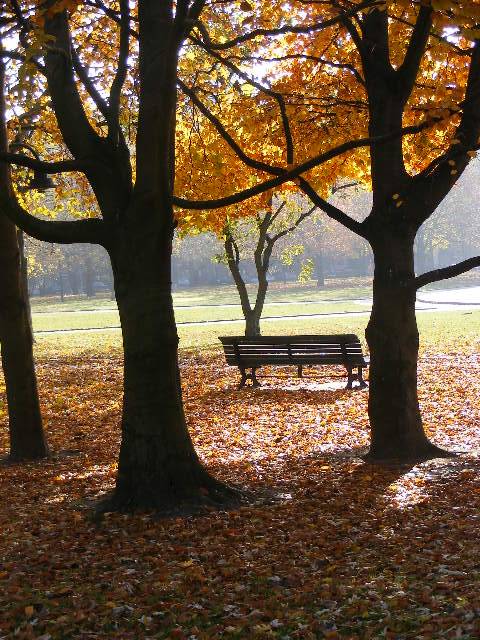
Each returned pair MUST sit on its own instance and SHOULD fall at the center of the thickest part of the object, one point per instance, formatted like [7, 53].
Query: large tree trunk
[27, 441]
[158, 467]
[392, 335]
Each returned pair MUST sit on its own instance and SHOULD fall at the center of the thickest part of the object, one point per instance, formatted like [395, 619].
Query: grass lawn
[100, 318]
[219, 304]
[337, 289]
[444, 331]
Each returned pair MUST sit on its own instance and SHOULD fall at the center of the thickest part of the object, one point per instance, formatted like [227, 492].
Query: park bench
[252, 353]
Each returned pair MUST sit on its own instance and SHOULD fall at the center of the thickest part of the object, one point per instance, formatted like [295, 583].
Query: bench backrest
[310, 349]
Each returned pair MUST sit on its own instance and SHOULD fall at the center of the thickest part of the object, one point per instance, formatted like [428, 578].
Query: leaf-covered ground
[344, 550]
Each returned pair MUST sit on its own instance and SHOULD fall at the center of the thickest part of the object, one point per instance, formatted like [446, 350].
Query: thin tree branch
[278, 97]
[300, 29]
[113, 15]
[255, 164]
[295, 225]
[276, 213]
[407, 72]
[89, 85]
[446, 272]
[303, 56]
[121, 74]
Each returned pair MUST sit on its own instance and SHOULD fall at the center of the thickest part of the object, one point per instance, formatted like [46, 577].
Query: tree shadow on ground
[336, 552]
[269, 395]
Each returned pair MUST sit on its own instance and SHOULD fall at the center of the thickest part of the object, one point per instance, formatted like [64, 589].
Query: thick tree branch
[297, 171]
[187, 15]
[436, 36]
[90, 231]
[61, 166]
[354, 34]
[435, 182]
[77, 132]
[233, 259]
[446, 272]
[331, 210]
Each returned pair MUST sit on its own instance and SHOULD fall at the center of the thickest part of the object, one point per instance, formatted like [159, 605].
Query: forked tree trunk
[27, 441]
[396, 425]
[158, 466]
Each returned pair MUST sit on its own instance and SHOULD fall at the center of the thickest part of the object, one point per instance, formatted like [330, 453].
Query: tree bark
[396, 425]
[24, 278]
[252, 323]
[158, 466]
[27, 440]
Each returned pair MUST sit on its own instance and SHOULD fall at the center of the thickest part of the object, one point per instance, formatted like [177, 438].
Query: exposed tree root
[407, 455]
[205, 494]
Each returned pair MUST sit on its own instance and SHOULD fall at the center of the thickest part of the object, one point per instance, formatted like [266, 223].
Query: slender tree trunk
[392, 335]
[252, 323]
[73, 282]
[27, 441]
[89, 277]
[24, 278]
[319, 272]
[158, 466]
[60, 282]
[252, 319]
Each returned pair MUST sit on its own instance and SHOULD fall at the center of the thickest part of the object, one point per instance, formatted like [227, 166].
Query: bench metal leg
[243, 380]
[248, 376]
[350, 378]
[360, 379]
[300, 371]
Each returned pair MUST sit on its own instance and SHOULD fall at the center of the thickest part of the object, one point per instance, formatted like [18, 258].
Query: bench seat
[251, 353]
